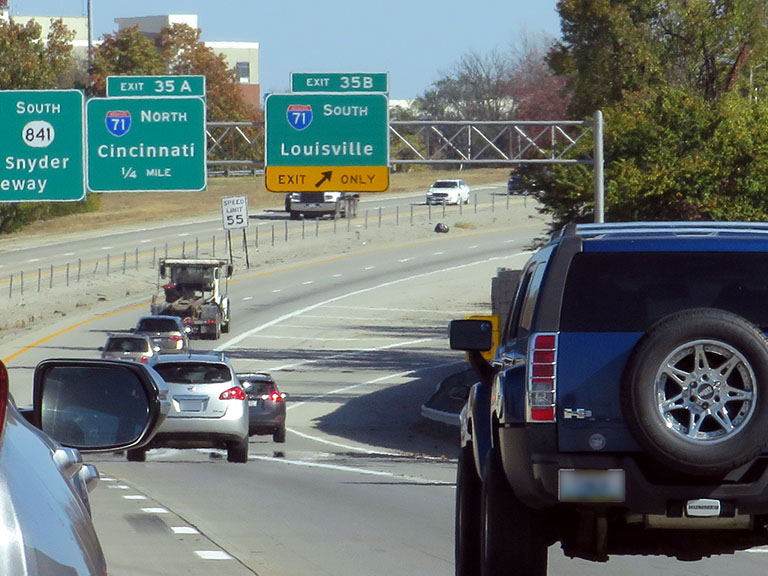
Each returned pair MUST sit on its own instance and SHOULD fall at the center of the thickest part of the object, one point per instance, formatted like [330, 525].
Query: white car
[453, 191]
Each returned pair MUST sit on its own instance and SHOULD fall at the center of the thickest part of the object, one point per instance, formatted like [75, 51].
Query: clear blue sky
[416, 41]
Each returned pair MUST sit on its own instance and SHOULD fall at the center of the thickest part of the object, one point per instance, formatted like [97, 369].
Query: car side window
[510, 331]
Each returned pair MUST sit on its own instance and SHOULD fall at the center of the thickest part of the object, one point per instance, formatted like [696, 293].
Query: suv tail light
[234, 393]
[542, 377]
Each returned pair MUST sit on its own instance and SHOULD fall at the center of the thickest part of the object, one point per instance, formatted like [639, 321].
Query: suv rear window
[157, 325]
[193, 372]
[627, 292]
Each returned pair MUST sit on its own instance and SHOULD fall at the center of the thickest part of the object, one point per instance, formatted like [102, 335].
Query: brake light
[235, 393]
[143, 360]
[542, 377]
[3, 394]
[275, 397]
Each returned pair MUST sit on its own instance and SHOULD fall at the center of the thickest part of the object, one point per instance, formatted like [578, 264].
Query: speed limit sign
[234, 212]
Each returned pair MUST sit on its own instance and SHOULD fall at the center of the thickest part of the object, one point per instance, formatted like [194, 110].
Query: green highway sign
[42, 146]
[122, 86]
[146, 144]
[336, 82]
[327, 142]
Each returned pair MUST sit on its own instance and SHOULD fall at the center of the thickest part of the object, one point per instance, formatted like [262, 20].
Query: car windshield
[193, 372]
[445, 184]
[157, 325]
[127, 345]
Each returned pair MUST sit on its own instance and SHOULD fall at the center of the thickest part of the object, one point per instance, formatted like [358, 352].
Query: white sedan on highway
[454, 191]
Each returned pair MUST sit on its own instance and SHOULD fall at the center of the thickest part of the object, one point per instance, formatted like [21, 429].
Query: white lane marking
[343, 446]
[348, 388]
[134, 497]
[34, 260]
[119, 487]
[403, 260]
[438, 253]
[420, 310]
[350, 354]
[237, 339]
[247, 298]
[184, 530]
[69, 254]
[308, 282]
[213, 555]
[155, 510]
[148, 240]
[107, 247]
[353, 469]
[369, 267]
[337, 275]
[275, 291]
[183, 234]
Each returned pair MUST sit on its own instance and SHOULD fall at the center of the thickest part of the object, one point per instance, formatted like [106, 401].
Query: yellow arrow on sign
[327, 178]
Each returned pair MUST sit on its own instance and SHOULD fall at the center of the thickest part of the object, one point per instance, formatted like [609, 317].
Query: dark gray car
[266, 404]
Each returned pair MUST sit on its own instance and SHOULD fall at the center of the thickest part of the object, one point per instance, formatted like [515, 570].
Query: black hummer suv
[626, 408]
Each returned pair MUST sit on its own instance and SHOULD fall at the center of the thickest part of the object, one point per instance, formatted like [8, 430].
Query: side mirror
[230, 270]
[471, 335]
[98, 405]
[100, 348]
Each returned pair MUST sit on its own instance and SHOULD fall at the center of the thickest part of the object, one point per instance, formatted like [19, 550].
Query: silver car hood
[45, 525]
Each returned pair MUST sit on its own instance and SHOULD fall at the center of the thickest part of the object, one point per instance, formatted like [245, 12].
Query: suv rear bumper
[532, 466]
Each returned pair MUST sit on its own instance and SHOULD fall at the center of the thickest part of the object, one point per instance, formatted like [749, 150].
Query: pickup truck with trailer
[196, 291]
[625, 410]
[316, 204]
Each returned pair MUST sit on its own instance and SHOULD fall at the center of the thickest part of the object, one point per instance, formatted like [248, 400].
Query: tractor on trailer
[196, 291]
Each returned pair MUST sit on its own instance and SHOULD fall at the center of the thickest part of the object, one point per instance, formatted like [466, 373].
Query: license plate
[591, 485]
[253, 402]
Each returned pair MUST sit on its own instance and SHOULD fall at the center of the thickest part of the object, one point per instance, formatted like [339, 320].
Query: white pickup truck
[315, 204]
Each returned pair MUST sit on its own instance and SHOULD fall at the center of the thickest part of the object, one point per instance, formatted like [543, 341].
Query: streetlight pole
[90, 39]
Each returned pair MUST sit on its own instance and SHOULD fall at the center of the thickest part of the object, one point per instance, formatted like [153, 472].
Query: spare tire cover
[695, 391]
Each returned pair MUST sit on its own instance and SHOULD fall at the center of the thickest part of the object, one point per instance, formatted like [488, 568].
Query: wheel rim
[705, 392]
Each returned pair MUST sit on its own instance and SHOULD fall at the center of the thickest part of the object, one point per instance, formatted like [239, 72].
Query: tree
[127, 52]
[477, 88]
[184, 53]
[537, 92]
[684, 135]
[26, 62]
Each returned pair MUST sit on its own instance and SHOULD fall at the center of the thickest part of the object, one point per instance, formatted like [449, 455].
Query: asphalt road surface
[363, 485]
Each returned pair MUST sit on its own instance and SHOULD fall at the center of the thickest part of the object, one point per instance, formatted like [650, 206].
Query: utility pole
[90, 37]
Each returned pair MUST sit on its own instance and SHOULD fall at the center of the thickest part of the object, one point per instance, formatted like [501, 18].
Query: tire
[136, 455]
[294, 215]
[467, 523]
[238, 451]
[512, 538]
[693, 393]
[279, 435]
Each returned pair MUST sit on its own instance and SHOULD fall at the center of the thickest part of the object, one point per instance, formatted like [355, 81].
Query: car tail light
[143, 360]
[275, 397]
[542, 377]
[3, 394]
[234, 393]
